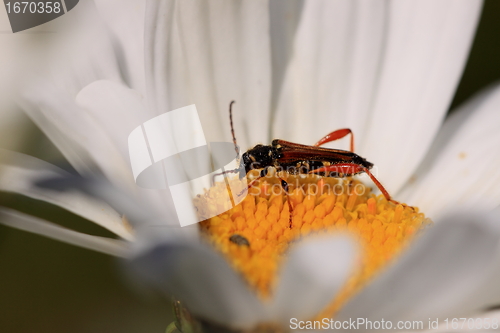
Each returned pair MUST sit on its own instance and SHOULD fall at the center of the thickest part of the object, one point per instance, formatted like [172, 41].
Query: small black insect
[239, 240]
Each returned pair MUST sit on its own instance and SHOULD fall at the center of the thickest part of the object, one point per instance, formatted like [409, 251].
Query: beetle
[297, 158]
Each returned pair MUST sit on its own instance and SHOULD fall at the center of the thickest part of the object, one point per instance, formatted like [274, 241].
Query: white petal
[84, 50]
[12, 120]
[487, 294]
[436, 278]
[87, 51]
[426, 51]
[201, 279]
[209, 53]
[65, 135]
[461, 169]
[18, 173]
[126, 20]
[115, 109]
[284, 18]
[387, 70]
[330, 81]
[311, 277]
[86, 145]
[142, 215]
[41, 227]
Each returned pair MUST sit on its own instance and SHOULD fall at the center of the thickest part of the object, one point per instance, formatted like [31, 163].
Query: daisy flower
[298, 70]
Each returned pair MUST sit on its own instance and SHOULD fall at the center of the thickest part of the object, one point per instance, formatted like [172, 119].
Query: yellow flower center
[255, 235]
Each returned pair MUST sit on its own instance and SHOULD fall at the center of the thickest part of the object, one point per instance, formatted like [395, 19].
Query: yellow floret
[319, 205]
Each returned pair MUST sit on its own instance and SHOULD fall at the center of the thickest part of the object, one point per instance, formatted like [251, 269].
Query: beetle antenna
[236, 148]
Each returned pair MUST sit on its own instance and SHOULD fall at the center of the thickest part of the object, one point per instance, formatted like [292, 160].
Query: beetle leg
[335, 135]
[284, 185]
[223, 173]
[384, 191]
[381, 187]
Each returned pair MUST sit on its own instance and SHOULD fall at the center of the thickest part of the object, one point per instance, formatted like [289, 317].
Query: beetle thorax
[259, 157]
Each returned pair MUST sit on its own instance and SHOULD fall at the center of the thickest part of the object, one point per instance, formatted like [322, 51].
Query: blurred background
[48, 286]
